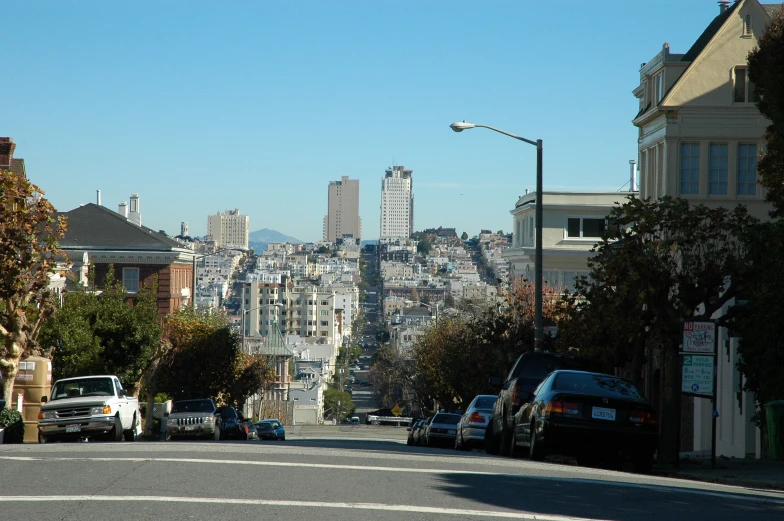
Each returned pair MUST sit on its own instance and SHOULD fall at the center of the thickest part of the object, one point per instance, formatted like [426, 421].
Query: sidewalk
[750, 473]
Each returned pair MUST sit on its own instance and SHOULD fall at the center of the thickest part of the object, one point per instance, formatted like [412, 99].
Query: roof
[709, 33]
[771, 9]
[95, 227]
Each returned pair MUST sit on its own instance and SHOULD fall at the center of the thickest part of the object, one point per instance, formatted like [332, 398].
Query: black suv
[232, 424]
[527, 373]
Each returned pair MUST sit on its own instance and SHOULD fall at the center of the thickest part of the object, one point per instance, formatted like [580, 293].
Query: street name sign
[697, 375]
[698, 337]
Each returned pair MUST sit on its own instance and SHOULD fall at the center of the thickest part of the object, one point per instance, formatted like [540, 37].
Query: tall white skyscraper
[397, 204]
[229, 229]
[342, 219]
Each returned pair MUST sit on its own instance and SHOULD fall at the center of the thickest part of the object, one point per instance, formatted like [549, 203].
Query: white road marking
[531, 516]
[664, 484]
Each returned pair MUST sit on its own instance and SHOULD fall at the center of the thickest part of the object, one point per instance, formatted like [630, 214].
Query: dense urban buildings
[342, 219]
[397, 204]
[229, 229]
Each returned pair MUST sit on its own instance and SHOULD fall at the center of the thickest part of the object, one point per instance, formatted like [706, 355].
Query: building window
[744, 89]
[324, 323]
[717, 168]
[747, 26]
[323, 333]
[580, 227]
[659, 82]
[130, 280]
[747, 169]
[690, 168]
[324, 303]
[324, 313]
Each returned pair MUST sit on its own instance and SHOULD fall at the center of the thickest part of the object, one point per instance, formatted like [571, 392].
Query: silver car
[193, 418]
[471, 429]
[441, 429]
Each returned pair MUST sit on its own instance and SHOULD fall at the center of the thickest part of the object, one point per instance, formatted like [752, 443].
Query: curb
[719, 480]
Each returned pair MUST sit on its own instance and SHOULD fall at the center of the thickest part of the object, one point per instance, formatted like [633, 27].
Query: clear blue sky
[202, 106]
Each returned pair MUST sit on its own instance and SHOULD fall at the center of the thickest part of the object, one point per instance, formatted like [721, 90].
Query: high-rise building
[342, 219]
[229, 229]
[397, 204]
[184, 229]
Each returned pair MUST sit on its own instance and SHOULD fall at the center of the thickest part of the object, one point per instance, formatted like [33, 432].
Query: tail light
[564, 408]
[476, 418]
[647, 417]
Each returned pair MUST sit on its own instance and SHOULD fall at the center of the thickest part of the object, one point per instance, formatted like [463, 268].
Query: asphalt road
[341, 473]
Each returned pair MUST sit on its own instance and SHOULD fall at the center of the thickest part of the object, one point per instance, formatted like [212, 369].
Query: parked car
[596, 417]
[527, 373]
[193, 418]
[275, 425]
[89, 407]
[232, 424]
[442, 429]
[472, 425]
[419, 435]
[355, 420]
[412, 430]
[253, 433]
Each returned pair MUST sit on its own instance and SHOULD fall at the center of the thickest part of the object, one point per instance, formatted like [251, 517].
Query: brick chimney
[7, 147]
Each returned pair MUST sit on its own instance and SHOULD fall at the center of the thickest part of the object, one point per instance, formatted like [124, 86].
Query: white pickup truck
[89, 407]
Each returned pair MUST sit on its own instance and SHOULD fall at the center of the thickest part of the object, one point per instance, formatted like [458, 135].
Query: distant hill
[259, 239]
[372, 242]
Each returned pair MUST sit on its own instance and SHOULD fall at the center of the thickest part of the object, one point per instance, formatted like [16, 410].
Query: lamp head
[459, 126]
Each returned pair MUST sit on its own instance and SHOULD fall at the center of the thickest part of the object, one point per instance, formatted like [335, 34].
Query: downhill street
[322, 473]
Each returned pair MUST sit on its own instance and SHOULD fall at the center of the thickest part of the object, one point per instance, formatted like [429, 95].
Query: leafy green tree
[464, 236]
[107, 333]
[29, 234]
[658, 263]
[331, 398]
[766, 70]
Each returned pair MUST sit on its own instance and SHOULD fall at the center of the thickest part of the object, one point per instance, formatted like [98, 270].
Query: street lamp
[460, 126]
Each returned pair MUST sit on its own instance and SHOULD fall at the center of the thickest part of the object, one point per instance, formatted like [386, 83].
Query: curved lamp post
[460, 126]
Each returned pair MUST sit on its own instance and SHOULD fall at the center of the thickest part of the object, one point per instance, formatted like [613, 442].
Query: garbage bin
[774, 413]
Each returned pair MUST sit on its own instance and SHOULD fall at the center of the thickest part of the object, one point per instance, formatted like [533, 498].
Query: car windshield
[485, 402]
[227, 412]
[193, 406]
[596, 384]
[264, 426]
[449, 419]
[83, 387]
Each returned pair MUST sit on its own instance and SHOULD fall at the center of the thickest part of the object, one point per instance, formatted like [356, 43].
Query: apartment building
[229, 229]
[397, 204]
[342, 219]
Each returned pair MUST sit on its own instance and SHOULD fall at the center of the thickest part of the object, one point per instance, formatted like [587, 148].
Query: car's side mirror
[496, 381]
[43, 399]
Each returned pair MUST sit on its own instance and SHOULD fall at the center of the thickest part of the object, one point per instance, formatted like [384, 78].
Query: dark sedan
[232, 424]
[596, 417]
[271, 430]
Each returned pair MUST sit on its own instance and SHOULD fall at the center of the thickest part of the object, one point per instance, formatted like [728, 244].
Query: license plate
[73, 428]
[602, 413]
[451, 431]
[190, 427]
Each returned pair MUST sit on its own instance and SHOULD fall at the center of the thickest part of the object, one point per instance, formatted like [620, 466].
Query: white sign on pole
[697, 375]
[698, 337]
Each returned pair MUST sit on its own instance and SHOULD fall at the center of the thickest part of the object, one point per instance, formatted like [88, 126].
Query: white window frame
[581, 237]
[128, 277]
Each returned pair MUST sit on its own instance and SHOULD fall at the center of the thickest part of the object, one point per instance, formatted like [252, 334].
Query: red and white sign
[699, 337]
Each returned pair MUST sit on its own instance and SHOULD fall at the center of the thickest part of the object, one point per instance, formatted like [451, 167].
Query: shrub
[11, 420]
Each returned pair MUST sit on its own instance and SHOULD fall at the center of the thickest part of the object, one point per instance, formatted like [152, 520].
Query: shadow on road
[594, 499]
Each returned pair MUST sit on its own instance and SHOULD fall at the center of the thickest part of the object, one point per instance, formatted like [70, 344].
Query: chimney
[123, 209]
[98, 197]
[724, 5]
[134, 213]
[7, 147]
[633, 175]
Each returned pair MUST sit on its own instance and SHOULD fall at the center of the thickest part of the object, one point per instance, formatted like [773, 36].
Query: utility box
[33, 381]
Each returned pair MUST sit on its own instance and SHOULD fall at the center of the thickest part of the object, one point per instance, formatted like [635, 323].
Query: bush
[11, 420]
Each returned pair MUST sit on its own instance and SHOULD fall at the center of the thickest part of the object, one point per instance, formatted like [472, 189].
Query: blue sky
[202, 106]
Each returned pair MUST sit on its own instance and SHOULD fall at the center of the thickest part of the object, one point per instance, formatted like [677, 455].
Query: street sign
[396, 410]
[698, 337]
[697, 375]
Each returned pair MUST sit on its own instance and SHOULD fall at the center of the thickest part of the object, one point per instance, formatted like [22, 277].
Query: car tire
[535, 449]
[513, 450]
[116, 434]
[491, 447]
[43, 439]
[216, 434]
[643, 462]
[505, 443]
[130, 434]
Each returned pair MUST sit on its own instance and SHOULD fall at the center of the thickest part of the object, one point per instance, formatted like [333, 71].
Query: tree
[29, 234]
[107, 333]
[340, 412]
[658, 263]
[766, 71]
[464, 236]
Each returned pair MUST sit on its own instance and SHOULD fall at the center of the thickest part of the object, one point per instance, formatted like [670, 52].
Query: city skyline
[250, 99]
